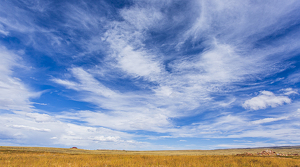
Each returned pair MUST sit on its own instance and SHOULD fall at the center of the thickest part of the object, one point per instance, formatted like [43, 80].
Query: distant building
[74, 148]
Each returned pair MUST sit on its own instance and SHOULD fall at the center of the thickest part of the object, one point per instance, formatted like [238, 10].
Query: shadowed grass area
[39, 156]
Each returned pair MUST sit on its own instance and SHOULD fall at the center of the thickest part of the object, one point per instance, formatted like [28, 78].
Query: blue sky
[149, 75]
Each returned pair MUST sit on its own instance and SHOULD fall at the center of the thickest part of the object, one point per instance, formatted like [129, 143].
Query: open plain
[44, 156]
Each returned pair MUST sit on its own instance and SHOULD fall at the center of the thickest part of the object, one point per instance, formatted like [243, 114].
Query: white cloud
[30, 128]
[239, 20]
[2, 30]
[250, 145]
[164, 91]
[19, 129]
[145, 18]
[106, 138]
[282, 127]
[14, 94]
[296, 114]
[45, 129]
[125, 49]
[268, 120]
[79, 18]
[21, 23]
[137, 62]
[265, 99]
[124, 120]
[228, 102]
[36, 5]
[130, 111]
[289, 91]
[221, 64]
[40, 117]
[287, 133]
[294, 78]
[86, 83]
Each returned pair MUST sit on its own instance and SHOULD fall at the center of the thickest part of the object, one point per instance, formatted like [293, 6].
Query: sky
[149, 74]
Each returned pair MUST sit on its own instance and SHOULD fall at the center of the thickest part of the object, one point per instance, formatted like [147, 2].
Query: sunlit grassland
[39, 156]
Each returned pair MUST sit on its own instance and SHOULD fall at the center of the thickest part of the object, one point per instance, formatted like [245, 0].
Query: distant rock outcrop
[266, 153]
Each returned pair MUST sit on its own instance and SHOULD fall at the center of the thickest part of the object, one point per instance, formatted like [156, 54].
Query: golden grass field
[43, 156]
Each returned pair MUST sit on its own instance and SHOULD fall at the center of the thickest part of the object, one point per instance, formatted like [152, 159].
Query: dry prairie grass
[284, 150]
[22, 157]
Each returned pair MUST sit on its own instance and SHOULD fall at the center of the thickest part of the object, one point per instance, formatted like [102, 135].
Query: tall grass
[14, 158]
[291, 150]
